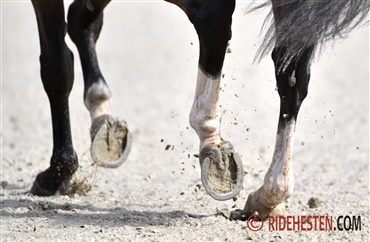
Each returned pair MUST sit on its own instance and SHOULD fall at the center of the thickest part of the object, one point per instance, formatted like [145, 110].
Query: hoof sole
[111, 143]
[222, 175]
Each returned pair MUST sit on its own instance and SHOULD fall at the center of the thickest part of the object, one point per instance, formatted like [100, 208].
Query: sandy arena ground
[148, 53]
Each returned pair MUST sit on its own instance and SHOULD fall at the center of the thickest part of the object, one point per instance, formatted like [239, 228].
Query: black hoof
[56, 179]
[45, 185]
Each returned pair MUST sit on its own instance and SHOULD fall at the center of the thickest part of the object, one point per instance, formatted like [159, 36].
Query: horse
[297, 30]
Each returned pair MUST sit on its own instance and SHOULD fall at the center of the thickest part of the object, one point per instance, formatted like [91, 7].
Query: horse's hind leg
[221, 168]
[85, 20]
[292, 84]
[292, 72]
[57, 76]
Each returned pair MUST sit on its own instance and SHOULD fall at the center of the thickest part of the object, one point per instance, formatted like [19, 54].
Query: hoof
[221, 171]
[42, 188]
[111, 141]
[254, 206]
[38, 190]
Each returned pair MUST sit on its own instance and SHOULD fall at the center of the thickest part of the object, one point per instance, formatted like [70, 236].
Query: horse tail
[299, 24]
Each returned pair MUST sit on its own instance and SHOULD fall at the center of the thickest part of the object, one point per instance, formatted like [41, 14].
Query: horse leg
[57, 76]
[85, 21]
[292, 83]
[221, 168]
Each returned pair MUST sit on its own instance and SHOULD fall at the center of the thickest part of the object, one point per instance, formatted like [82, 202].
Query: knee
[212, 22]
[57, 70]
[206, 10]
[210, 18]
[72, 18]
[84, 21]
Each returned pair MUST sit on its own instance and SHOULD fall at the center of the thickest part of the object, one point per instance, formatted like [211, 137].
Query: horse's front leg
[222, 170]
[57, 76]
[111, 140]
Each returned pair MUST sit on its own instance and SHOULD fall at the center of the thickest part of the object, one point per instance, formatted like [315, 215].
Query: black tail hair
[306, 23]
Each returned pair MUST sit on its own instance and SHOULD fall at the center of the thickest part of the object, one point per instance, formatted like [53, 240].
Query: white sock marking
[205, 115]
[279, 180]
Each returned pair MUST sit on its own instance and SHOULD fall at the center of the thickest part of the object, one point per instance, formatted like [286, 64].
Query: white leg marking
[279, 180]
[205, 115]
[97, 100]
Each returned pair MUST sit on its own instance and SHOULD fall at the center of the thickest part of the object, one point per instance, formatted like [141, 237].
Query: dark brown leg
[57, 76]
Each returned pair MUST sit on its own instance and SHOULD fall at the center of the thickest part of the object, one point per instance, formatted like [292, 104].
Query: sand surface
[148, 53]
